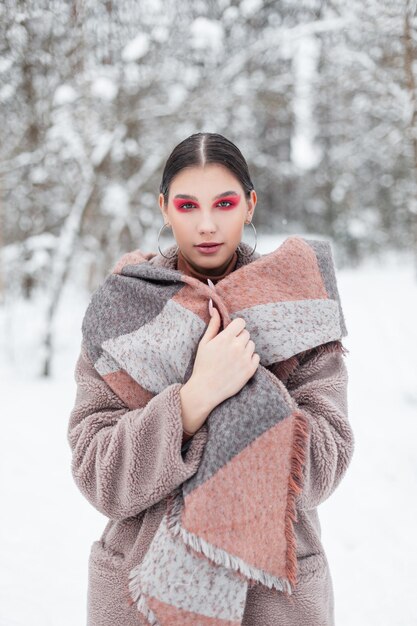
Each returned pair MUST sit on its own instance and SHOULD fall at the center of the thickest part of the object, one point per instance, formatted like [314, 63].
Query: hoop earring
[159, 234]
[256, 241]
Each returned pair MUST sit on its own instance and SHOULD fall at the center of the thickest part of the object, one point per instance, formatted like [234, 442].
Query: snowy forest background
[321, 98]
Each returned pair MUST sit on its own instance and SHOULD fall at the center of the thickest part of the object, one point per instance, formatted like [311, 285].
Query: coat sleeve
[123, 460]
[319, 387]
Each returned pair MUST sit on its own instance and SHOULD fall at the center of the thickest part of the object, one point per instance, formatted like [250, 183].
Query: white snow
[64, 94]
[6, 93]
[207, 33]
[136, 48]
[177, 95]
[250, 7]
[47, 526]
[160, 33]
[115, 200]
[104, 88]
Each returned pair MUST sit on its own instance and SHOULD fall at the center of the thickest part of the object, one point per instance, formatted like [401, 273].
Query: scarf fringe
[284, 369]
[330, 346]
[201, 548]
[139, 598]
[335, 345]
[298, 458]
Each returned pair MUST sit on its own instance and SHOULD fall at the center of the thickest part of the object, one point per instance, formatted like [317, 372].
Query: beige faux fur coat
[105, 435]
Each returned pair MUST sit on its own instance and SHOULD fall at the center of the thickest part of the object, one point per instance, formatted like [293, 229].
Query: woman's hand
[223, 364]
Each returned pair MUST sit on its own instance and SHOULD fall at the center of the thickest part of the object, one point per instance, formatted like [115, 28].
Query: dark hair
[200, 149]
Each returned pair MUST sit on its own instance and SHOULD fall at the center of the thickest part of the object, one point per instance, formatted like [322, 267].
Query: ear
[251, 204]
[162, 206]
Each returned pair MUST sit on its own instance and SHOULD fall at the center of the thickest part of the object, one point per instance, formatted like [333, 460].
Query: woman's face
[207, 204]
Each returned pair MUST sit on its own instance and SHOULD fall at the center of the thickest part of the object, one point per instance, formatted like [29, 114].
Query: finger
[235, 326]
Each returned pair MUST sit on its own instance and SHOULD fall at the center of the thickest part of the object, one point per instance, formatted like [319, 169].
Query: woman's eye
[225, 203]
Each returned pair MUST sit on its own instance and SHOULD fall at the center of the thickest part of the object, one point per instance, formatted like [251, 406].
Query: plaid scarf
[230, 525]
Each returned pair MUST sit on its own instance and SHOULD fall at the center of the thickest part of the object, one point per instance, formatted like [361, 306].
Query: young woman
[130, 453]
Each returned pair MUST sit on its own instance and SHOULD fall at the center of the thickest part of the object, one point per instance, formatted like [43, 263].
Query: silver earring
[256, 240]
[159, 234]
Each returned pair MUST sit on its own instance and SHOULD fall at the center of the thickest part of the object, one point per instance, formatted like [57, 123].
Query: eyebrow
[185, 196]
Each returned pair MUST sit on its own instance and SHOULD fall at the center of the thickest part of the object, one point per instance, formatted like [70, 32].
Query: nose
[206, 224]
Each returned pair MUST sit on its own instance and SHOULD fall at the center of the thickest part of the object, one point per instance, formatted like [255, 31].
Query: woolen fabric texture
[289, 422]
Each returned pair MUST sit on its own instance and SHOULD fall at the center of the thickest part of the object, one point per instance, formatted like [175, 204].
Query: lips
[210, 248]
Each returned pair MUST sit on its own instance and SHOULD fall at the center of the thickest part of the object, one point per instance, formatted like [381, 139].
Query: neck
[215, 273]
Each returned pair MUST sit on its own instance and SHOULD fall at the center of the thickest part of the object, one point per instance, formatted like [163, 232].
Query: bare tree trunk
[409, 57]
[62, 260]
[66, 245]
[2, 288]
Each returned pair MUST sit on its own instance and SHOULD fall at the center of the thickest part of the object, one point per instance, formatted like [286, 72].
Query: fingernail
[210, 306]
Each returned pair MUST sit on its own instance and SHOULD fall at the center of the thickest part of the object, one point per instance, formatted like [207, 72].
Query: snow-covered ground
[47, 527]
